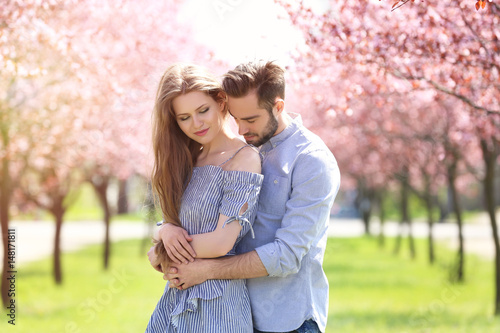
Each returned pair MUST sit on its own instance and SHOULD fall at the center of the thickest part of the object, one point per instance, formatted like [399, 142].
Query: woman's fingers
[187, 246]
[176, 240]
[173, 256]
[183, 252]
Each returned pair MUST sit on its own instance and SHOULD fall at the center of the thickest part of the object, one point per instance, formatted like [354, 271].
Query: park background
[405, 94]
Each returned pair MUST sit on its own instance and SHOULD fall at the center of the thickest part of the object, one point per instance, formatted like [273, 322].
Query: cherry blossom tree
[132, 64]
[452, 50]
[79, 90]
[25, 43]
[50, 175]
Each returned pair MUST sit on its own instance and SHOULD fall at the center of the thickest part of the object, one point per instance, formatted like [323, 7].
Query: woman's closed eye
[183, 118]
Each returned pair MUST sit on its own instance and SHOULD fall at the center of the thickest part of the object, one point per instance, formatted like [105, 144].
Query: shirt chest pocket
[274, 195]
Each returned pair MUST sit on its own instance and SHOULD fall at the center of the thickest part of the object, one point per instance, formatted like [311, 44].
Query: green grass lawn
[90, 300]
[371, 290]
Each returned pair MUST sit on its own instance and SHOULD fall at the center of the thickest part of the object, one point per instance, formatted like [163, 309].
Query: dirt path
[34, 239]
[478, 237]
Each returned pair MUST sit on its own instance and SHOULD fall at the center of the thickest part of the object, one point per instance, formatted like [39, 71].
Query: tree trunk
[364, 203]
[405, 197]
[430, 223]
[397, 245]
[405, 214]
[122, 205]
[101, 188]
[428, 199]
[381, 211]
[58, 212]
[490, 156]
[452, 171]
[404, 220]
[5, 195]
[366, 221]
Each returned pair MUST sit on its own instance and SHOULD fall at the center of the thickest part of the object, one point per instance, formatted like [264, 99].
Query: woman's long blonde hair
[175, 153]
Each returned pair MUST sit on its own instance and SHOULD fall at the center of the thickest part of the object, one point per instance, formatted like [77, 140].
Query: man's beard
[271, 127]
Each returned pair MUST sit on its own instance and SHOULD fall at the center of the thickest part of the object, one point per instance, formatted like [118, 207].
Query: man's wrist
[205, 267]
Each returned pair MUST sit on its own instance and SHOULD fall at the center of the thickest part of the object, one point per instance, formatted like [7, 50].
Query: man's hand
[152, 258]
[176, 242]
[186, 276]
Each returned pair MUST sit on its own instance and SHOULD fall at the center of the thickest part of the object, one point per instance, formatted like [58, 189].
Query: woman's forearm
[206, 245]
[216, 243]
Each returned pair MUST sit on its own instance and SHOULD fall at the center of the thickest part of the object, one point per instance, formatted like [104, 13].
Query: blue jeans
[309, 326]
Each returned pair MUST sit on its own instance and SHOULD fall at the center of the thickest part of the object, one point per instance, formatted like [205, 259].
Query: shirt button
[276, 181]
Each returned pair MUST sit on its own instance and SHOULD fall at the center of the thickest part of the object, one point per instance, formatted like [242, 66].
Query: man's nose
[242, 130]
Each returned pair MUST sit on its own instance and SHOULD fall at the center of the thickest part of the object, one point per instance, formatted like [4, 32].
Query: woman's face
[199, 116]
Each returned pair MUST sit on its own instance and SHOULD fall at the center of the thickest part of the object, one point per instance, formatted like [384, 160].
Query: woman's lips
[202, 132]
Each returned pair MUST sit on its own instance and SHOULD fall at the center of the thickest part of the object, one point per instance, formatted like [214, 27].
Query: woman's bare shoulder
[246, 159]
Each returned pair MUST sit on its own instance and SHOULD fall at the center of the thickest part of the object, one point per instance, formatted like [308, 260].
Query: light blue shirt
[301, 180]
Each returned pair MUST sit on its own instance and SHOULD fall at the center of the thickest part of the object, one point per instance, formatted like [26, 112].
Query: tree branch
[403, 2]
[479, 39]
[441, 88]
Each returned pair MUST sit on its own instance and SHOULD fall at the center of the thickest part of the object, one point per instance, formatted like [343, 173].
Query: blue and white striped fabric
[215, 305]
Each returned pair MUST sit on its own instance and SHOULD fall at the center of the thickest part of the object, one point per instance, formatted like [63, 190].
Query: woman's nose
[197, 122]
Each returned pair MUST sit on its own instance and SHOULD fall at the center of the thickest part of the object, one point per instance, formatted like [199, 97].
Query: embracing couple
[245, 223]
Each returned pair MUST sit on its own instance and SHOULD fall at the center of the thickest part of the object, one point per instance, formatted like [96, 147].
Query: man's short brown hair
[267, 79]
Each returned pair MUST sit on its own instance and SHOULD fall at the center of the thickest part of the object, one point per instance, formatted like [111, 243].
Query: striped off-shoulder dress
[216, 305]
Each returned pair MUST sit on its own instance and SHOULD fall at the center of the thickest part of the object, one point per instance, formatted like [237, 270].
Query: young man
[283, 263]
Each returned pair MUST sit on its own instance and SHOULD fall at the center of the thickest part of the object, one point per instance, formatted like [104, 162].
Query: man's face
[255, 124]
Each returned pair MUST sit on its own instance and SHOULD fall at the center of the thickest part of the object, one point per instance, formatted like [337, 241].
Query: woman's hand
[176, 242]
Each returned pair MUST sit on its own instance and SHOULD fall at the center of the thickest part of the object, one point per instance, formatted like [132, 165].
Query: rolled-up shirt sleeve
[315, 182]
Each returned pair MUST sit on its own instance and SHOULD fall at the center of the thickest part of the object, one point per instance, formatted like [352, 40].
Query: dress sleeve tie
[242, 221]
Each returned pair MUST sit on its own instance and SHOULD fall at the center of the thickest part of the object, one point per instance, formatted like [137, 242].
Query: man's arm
[242, 266]
[306, 218]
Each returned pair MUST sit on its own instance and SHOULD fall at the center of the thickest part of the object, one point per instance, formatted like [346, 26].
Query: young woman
[206, 179]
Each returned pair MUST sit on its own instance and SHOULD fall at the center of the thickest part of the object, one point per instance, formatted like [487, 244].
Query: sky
[241, 30]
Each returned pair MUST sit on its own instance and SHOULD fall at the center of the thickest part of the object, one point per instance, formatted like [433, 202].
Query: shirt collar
[295, 121]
